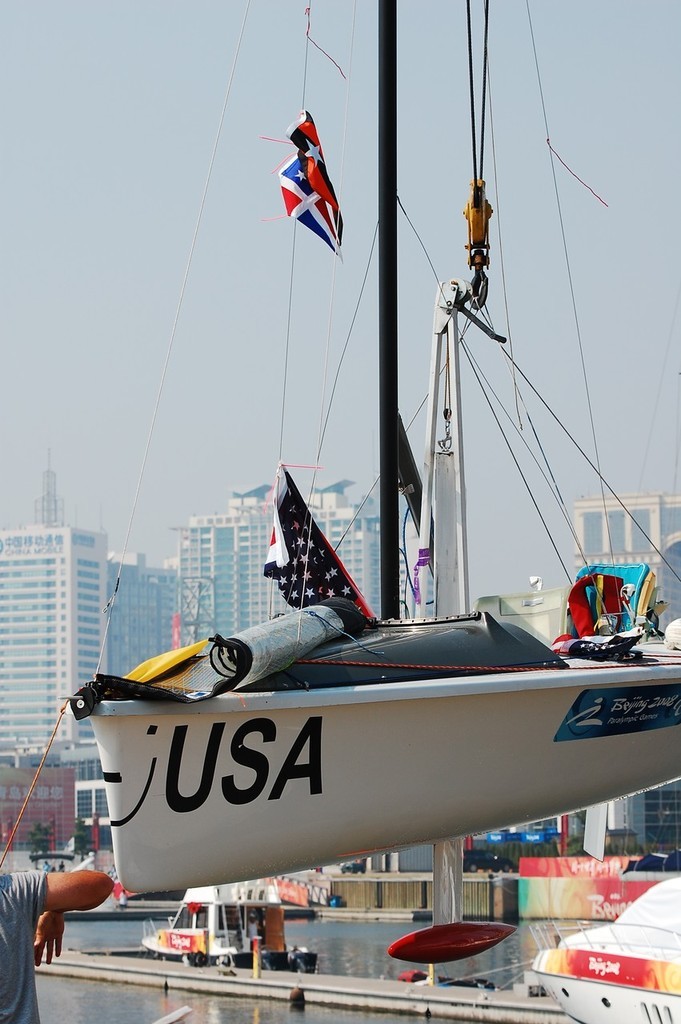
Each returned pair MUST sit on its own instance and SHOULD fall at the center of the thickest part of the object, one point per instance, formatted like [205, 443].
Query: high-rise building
[52, 590]
[222, 586]
[142, 614]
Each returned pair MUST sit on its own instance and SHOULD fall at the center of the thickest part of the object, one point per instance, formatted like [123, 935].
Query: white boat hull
[251, 784]
[592, 1001]
[626, 972]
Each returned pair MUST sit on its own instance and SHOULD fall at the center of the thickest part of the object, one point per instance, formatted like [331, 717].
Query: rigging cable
[289, 315]
[327, 351]
[108, 609]
[287, 341]
[422, 244]
[570, 282]
[483, 105]
[478, 211]
[502, 261]
[542, 520]
[547, 473]
[471, 89]
[604, 482]
[335, 382]
[347, 337]
[376, 480]
[656, 403]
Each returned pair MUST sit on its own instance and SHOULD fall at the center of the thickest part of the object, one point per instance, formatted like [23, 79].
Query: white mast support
[595, 827]
[447, 881]
[429, 467]
[443, 469]
[451, 537]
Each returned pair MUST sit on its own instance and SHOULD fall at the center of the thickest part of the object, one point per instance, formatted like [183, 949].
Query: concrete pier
[370, 994]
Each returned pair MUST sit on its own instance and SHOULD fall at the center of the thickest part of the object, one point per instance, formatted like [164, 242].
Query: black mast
[387, 306]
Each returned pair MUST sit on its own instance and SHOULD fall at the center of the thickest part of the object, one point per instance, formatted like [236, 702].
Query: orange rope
[426, 668]
[489, 669]
[34, 783]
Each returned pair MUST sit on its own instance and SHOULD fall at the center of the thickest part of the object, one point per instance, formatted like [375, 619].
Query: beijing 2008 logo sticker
[623, 710]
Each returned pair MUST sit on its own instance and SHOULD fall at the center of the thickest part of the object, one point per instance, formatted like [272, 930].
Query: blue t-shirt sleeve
[25, 892]
[38, 893]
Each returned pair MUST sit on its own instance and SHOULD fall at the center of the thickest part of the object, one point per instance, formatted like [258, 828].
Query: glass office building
[52, 591]
[142, 616]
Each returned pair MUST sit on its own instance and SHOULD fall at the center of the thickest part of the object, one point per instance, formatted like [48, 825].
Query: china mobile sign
[21, 545]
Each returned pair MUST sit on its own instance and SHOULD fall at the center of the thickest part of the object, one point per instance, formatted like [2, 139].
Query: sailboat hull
[251, 784]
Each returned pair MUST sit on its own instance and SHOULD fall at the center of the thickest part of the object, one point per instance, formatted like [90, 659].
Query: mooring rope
[33, 783]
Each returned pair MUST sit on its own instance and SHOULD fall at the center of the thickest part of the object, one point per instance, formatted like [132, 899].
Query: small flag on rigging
[300, 557]
[306, 187]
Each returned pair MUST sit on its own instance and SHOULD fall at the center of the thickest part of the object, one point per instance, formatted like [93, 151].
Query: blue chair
[612, 599]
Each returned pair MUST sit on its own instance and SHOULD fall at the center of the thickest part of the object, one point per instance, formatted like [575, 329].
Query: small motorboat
[225, 924]
[628, 971]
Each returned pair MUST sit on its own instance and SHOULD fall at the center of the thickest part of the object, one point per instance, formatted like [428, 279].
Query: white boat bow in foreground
[626, 972]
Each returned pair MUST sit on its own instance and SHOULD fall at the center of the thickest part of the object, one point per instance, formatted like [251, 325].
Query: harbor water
[350, 948]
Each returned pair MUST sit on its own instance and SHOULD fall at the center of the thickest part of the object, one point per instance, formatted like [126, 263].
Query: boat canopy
[652, 922]
[659, 907]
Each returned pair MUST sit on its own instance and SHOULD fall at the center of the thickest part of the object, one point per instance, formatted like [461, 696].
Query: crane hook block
[478, 212]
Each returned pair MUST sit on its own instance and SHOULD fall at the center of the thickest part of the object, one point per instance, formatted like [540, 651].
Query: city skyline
[259, 496]
[108, 140]
[631, 519]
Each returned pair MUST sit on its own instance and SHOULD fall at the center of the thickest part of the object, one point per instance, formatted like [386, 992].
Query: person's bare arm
[76, 890]
[48, 936]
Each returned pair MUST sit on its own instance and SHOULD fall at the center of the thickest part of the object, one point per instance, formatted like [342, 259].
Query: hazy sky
[110, 111]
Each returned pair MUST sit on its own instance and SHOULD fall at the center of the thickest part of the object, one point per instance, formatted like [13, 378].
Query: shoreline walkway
[371, 994]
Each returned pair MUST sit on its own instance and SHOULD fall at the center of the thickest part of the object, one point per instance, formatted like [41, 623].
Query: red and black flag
[303, 135]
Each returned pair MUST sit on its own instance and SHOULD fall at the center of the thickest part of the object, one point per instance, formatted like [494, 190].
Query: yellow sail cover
[155, 667]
